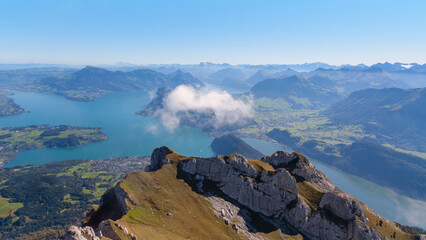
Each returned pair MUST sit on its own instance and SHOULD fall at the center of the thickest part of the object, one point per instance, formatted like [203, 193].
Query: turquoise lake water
[131, 135]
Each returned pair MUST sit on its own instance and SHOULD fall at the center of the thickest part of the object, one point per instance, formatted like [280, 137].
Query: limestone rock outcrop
[81, 233]
[283, 189]
[263, 192]
[276, 193]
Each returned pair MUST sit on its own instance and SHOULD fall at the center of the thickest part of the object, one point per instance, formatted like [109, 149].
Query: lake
[132, 135]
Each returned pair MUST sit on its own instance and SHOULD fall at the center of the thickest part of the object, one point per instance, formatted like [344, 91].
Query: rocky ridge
[291, 198]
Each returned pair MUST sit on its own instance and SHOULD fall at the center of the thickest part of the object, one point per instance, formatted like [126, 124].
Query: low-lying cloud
[226, 109]
[412, 212]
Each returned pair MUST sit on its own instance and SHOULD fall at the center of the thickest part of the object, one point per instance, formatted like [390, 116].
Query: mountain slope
[395, 115]
[229, 77]
[281, 196]
[92, 82]
[348, 80]
[230, 144]
[234, 73]
[261, 75]
[258, 77]
[381, 164]
[296, 90]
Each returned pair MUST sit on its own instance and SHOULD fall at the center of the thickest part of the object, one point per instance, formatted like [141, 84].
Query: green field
[8, 208]
[303, 123]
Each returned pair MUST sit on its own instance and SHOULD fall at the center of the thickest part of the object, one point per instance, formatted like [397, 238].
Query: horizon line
[207, 62]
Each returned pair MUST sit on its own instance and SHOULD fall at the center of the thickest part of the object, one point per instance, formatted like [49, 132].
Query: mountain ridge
[290, 198]
[295, 89]
[92, 82]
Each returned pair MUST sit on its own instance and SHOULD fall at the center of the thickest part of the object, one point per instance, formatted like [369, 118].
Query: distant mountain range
[212, 67]
[347, 80]
[326, 86]
[97, 81]
[91, 82]
[394, 115]
[401, 67]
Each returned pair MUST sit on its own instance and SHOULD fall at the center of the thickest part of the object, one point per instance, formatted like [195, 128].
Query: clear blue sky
[191, 31]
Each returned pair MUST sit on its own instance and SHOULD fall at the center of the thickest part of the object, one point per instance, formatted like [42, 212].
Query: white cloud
[412, 212]
[227, 110]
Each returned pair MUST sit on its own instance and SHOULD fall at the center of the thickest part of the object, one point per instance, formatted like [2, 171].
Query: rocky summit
[281, 196]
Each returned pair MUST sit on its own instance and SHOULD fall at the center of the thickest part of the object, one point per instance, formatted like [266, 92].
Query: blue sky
[232, 31]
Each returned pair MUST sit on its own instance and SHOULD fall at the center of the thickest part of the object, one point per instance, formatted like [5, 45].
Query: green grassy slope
[40, 202]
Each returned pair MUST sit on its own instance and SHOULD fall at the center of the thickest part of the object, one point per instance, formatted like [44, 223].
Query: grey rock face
[76, 233]
[115, 198]
[281, 159]
[158, 156]
[275, 193]
[106, 230]
[300, 167]
[236, 178]
[340, 205]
